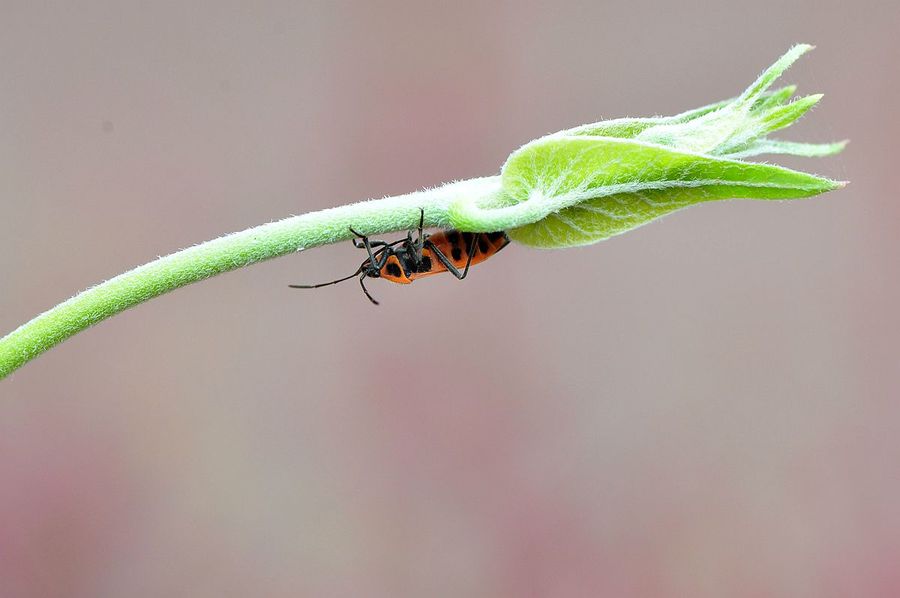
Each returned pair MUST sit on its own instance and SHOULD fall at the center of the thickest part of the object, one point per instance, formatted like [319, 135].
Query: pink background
[708, 406]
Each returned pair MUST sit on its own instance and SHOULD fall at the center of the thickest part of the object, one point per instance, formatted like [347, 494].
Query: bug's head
[369, 270]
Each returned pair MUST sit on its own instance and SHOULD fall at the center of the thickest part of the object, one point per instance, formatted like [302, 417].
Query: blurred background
[707, 406]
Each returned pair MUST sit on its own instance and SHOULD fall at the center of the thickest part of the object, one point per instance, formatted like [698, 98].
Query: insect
[407, 260]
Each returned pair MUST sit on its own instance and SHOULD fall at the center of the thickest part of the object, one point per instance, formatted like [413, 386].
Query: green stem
[231, 252]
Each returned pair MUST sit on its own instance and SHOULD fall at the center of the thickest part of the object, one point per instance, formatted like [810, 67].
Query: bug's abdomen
[455, 246]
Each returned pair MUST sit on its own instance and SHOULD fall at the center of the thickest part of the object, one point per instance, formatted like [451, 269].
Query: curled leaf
[600, 186]
[588, 183]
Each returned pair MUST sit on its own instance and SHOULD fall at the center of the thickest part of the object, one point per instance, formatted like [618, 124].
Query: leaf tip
[836, 147]
[831, 185]
[801, 105]
[813, 98]
[792, 55]
[752, 93]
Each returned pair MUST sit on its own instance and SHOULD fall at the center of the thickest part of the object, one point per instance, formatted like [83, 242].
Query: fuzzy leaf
[602, 186]
[739, 122]
[785, 115]
[775, 98]
[775, 146]
[631, 127]
[761, 123]
[588, 183]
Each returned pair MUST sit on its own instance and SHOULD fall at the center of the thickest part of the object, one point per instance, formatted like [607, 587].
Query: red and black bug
[407, 260]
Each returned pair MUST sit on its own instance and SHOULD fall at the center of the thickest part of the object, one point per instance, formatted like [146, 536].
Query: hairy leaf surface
[604, 186]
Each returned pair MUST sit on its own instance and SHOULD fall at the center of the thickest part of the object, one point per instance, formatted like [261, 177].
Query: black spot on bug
[453, 237]
[425, 264]
[456, 253]
[496, 236]
[482, 244]
[393, 269]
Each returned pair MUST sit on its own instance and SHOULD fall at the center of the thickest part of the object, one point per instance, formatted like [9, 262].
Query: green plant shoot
[574, 187]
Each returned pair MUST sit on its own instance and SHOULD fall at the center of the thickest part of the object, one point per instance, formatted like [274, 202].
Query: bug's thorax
[399, 264]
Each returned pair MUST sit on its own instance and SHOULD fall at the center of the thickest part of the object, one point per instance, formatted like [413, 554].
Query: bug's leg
[411, 248]
[378, 260]
[420, 244]
[368, 245]
[356, 242]
[381, 258]
[446, 261]
[362, 277]
[361, 242]
[471, 253]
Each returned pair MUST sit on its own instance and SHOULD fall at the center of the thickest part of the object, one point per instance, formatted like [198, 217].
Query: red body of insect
[445, 251]
[403, 265]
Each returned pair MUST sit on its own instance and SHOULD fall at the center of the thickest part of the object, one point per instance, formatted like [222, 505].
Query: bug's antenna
[361, 271]
[365, 290]
[325, 284]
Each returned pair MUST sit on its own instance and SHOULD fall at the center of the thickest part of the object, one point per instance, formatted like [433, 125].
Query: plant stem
[229, 253]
